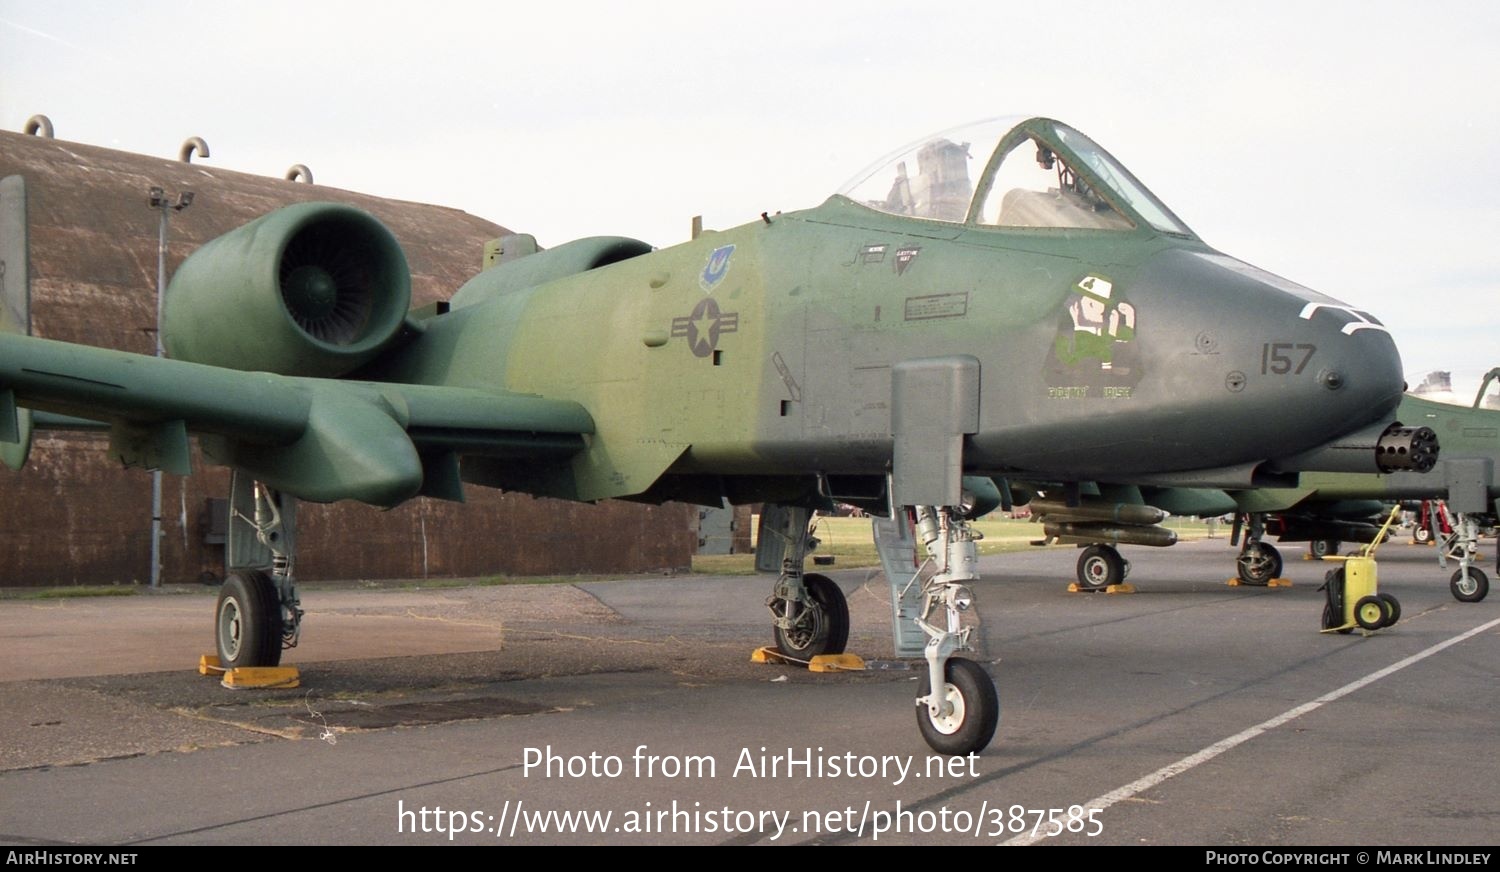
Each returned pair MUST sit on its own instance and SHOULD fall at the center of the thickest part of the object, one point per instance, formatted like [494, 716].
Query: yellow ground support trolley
[1354, 599]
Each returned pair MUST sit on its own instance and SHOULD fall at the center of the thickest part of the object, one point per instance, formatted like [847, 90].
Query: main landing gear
[1101, 567]
[1258, 563]
[258, 612]
[247, 622]
[812, 622]
[809, 614]
[1317, 549]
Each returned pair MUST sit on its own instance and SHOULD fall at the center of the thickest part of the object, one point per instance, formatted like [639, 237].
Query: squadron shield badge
[716, 268]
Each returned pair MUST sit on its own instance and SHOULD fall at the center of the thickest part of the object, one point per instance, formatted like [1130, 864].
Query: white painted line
[1143, 784]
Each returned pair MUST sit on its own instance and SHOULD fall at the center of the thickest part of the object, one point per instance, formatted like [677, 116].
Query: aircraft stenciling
[933, 306]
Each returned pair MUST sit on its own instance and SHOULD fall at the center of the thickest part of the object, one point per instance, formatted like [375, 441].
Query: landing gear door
[934, 404]
[244, 547]
[782, 529]
[898, 557]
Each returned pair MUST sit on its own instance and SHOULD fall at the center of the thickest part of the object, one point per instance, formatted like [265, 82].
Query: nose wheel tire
[1258, 564]
[247, 621]
[1471, 586]
[971, 714]
[823, 627]
[1100, 566]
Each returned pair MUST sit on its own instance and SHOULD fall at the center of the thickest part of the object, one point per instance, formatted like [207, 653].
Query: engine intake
[315, 289]
[570, 258]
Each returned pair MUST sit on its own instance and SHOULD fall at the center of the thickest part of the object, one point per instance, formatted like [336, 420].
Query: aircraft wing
[318, 439]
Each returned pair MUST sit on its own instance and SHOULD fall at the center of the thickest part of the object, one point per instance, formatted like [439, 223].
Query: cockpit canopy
[1012, 172]
[1439, 387]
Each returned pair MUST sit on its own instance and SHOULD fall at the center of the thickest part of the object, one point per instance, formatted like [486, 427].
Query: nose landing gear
[957, 707]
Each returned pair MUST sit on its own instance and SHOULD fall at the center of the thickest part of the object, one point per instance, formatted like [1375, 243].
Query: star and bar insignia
[704, 326]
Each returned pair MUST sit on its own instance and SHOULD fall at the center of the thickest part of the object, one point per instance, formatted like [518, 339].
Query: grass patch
[71, 592]
[850, 542]
[496, 581]
[724, 564]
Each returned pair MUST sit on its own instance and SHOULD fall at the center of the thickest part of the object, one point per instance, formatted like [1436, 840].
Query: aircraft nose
[1288, 367]
[1360, 372]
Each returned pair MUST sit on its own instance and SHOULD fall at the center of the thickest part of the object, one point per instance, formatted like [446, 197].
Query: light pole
[165, 205]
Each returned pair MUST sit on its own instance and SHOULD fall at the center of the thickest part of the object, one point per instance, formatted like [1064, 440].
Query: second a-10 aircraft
[1327, 508]
[1324, 509]
[1005, 301]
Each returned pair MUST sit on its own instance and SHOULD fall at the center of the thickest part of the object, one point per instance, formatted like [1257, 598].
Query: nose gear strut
[958, 709]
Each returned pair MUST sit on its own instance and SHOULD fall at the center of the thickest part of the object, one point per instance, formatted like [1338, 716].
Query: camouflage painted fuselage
[747, 362]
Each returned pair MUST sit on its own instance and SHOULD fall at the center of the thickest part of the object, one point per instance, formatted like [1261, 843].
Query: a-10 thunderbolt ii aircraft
[1006, 300]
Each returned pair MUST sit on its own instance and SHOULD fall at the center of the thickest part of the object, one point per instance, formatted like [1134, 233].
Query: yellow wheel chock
[819, 663]
[244, 677]
[1113, 588]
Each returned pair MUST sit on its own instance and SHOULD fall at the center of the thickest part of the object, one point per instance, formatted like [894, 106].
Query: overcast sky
[1352, 147]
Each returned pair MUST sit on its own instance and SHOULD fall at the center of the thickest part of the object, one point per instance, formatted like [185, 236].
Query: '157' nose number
[1280, 358]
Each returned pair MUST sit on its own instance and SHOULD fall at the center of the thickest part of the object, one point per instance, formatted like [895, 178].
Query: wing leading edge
[317, 439]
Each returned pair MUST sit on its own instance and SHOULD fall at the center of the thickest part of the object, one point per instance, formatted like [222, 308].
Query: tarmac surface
[627, 712]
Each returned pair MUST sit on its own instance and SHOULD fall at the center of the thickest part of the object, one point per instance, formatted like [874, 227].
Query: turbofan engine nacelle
[315, 289]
